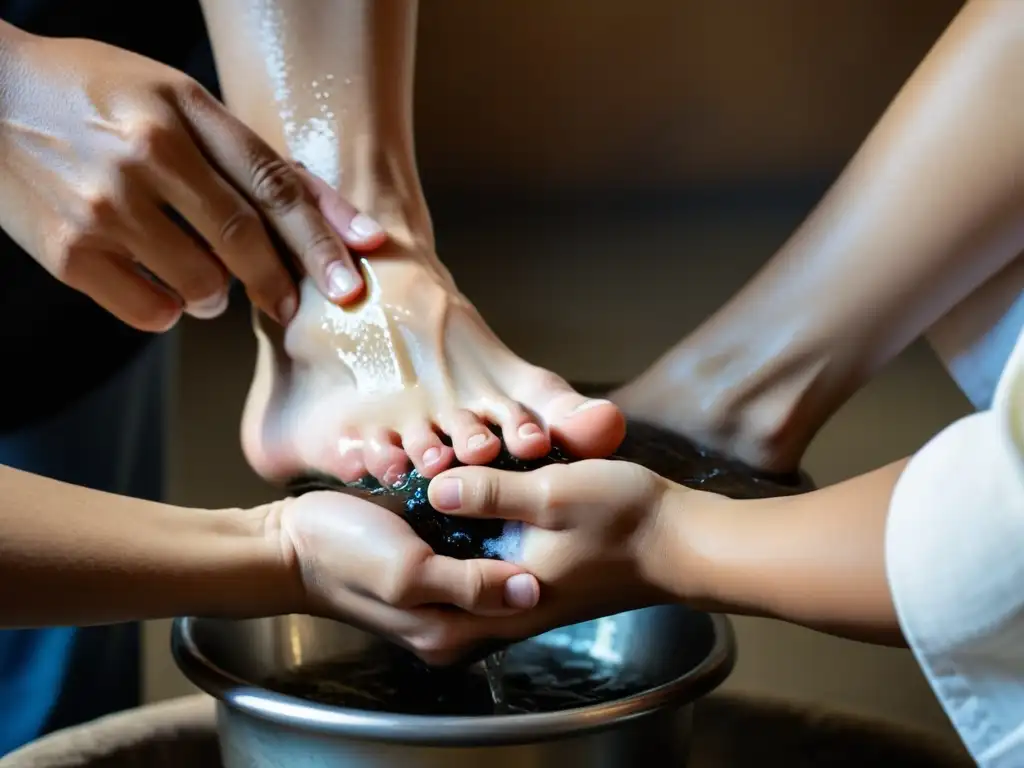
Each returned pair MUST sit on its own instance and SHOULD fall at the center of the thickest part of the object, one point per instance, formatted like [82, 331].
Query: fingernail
[447, 493]
[477, 441]
[529, 430]
[340, 281]
[522, 591]
[208, 308]
[362, 227]
[587, 405]
[286, 309]
[431, 455]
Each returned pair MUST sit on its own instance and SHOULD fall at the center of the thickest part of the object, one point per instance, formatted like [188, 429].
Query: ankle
[383, 182]
[765, 409]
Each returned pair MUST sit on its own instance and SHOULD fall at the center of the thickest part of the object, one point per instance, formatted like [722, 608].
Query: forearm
[70, 555]
[817, 560]
[330, 84]
[929, 208]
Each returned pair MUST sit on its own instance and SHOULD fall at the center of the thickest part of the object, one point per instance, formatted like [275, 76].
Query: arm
[70, 555]
[931, 206]
[816, 559]
[73, 556]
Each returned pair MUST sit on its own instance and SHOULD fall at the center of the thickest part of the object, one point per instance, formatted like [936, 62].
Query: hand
[361, 563]
[598, 536]
[103, 152]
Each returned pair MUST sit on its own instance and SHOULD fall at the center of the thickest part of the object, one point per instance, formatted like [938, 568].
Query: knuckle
[398, 588]
[239, 228]
[152, 141]
[101, 208]
[553, 497]
[475, 586]
[319, 250]
[276, 187]
[190, 94]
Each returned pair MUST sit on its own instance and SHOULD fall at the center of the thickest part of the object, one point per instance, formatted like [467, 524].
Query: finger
[277, 191]
[552, 497]
[483, 587]
[359, 231]
[232, 229]
[112, 281]
[180, 261]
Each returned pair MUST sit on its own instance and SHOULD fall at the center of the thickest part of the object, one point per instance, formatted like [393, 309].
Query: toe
[384, 456]
[429, 455]
[588, 428]
[473, 441]
[349, 465]
[523, 436]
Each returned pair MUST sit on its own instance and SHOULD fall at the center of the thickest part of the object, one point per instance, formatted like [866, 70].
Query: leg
[113, 440]
[928, 210]
[367, 389]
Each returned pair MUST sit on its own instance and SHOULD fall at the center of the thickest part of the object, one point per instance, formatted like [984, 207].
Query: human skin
[930, 207]
[98, 146]
[605, 536]
[74, 556]
[366, 390]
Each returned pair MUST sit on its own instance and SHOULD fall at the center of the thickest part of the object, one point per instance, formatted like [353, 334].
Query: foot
[373, 389]
[708, 403]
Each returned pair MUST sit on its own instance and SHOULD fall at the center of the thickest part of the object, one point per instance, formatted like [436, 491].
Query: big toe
[589, 428]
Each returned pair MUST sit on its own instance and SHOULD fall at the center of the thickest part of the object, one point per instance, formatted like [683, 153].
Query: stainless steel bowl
[680, 655]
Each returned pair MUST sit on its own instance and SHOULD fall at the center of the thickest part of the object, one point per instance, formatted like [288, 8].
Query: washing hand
[103, 155]
[601, 537]
[353, 560]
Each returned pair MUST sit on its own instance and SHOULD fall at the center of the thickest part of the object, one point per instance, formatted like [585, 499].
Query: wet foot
[409, 377]
[759, 431]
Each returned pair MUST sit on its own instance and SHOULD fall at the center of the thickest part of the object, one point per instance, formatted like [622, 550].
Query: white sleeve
[955, 562]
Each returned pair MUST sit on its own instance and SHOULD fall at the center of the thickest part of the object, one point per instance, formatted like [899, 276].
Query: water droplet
[314, 84]
[330, 77]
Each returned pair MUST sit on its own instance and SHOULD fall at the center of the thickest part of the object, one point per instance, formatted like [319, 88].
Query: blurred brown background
[625, 94]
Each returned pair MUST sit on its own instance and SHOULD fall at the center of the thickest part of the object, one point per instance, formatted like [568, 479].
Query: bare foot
[365, 389]
[715, 402]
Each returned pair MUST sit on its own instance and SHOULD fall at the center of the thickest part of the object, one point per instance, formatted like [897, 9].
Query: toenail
[208, 308]
[477, 441]
[521, 591]
[431, 456]
[393, 476]
[340, 280]
[529, 430]
[447, 494]
[586, 405]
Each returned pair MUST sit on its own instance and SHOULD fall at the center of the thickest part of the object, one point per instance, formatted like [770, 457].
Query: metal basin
[678, 654]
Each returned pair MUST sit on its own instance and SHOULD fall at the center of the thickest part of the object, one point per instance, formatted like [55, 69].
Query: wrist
[251, 572]
[705, 554]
